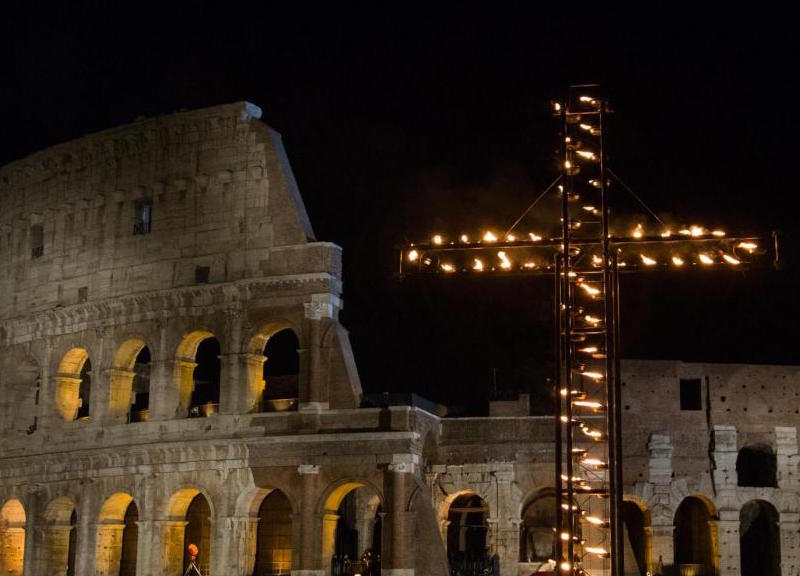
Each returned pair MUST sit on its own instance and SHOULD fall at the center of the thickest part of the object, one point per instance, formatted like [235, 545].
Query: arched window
[198, 532]
[467, 532]
[351, 531]
[117, 537]
[274, 537]
[140, 388]
[760, 539]
[206, 377]
[756, 466]
[635, 523]
[59, 537]
[74, 385]
[694, 540]
[189, 514]
[130, 541]
[281, 372]
[537, 529]
[12, 538]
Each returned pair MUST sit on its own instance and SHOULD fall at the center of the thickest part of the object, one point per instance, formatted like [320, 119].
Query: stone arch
[537, 527]
[190, 513]
[126, 379]
[760, 539]
[756, 465]
[73, 384]
[351, 522]
[637, 536]
[467, 529]
[59, 534]
[190, 400]
[20, 381]
[117, 536]
[257, 363]
[695, 536]
[12, 538]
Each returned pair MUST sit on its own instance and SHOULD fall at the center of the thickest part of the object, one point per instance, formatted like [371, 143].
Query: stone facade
[170, 232]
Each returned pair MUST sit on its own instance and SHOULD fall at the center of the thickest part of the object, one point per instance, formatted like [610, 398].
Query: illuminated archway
[352, 528]
[73, 385]
[60, 537]
[537, 528]
[117, 537]
[695, 535]
[274, 535]
[760, 539]
[189, 513]
[129, 389]
[197, 374]
[12, 538]
[636, 534]
[467, 531]
[258, 367]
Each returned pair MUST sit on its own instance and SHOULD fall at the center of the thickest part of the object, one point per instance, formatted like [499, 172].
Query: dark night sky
[402, 121]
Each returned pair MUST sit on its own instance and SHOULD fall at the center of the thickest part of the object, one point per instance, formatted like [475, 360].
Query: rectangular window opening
[201, 274]
[37, 241]
[691, 398]
[143, 217]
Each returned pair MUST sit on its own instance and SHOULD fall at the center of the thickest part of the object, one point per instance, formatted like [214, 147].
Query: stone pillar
[232, 384]
[171, 553]
[506, 523]
[84, 556]
[307, 557]
[46, 413]
[163, 389]
[108, 549]
[790, 542]
[662, 544]
[725, 453]
[399, 550]
[660, 463]
[786, 455]
[29, 567]
[728, 530]
[240, 538]
[321, 307]
[147, 548]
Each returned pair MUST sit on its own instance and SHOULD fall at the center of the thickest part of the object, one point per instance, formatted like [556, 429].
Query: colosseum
[173, 371]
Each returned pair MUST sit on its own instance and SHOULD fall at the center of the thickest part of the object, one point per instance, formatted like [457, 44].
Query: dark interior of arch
[756, 466]
[282, 368]
[85, 389]
[467, 531]
[538, 524]
[274, 540]
[759, 536]
[140, 400]
[130, 540]
[72, 542]
[205, 396]
[693, 543]
[635, 541]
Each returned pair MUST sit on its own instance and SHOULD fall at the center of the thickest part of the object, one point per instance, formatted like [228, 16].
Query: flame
[437, 239]
[565, 535]
[677, 260]
[565, 566]
[530, 265]
[696, 231]
[593, 375]
[589, 208]
[706, 259]
[718, 233]
[638, 232]
[587, 127]
[731, 260]
[749, 246]
[567, 164]
[489, 237]
[595, 520]
[666, 233]
[505, 263]
[588, 349]
[534, 237]
[587, 404]
[596, 259]
[557, 106]
[448, 267]
[464, 238]
[647, 261]
[511, 237]
[685, 232]
[477, 265]
[594, 182]
[564, 392]
[590, 290]
[587, 154]
[592, 462]
[596, 550]
[413, 255]
[591, 319]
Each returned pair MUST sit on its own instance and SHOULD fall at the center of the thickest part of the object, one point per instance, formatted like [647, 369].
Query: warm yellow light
[596, 259]
[596, 550]
[592, 462]
[685, 232]
[594, 182]
[448, 267]
[591, 319]
[731, 260]
[557, 106]
[584, 126]
[464, 238]
[529, 265]
[588, 403]
[697, 230]
[586, 99]
[587, 154]
[677, 260]
[505, 263]
[666, 234]
[749, 246]
[589, 208]
[511, 237]
[437, 239]
[534, 237]
[565, 566]
[588, 349]
[567, 164]
[706, 259]
[595, 520]
[564, 419]
[718, 233]
[593, 375]
[477, 265]
[564, 392]
[638, 232]
[590, 290]
[593, 433]
[647, 261]
[489, 237]
[565, 535]
[413, 255]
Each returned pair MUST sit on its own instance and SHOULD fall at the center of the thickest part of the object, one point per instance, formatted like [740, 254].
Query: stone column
[240, 538]
[725, 453]
[728, 530]
[321, 307]
[147, 548]
[171, 554]
[789, 524]
[84, 557]
[660, 463]
[399, 550]
[232, 384]
[506, 527]
[108, 549]
[163, 390]
[662, 544]
[307, 558]
[786, 455]
[29, 567]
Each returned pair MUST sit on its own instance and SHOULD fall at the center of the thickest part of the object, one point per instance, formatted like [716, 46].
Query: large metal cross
[585, 261]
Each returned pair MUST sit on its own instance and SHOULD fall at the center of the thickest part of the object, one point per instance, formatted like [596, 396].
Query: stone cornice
[162, 304]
